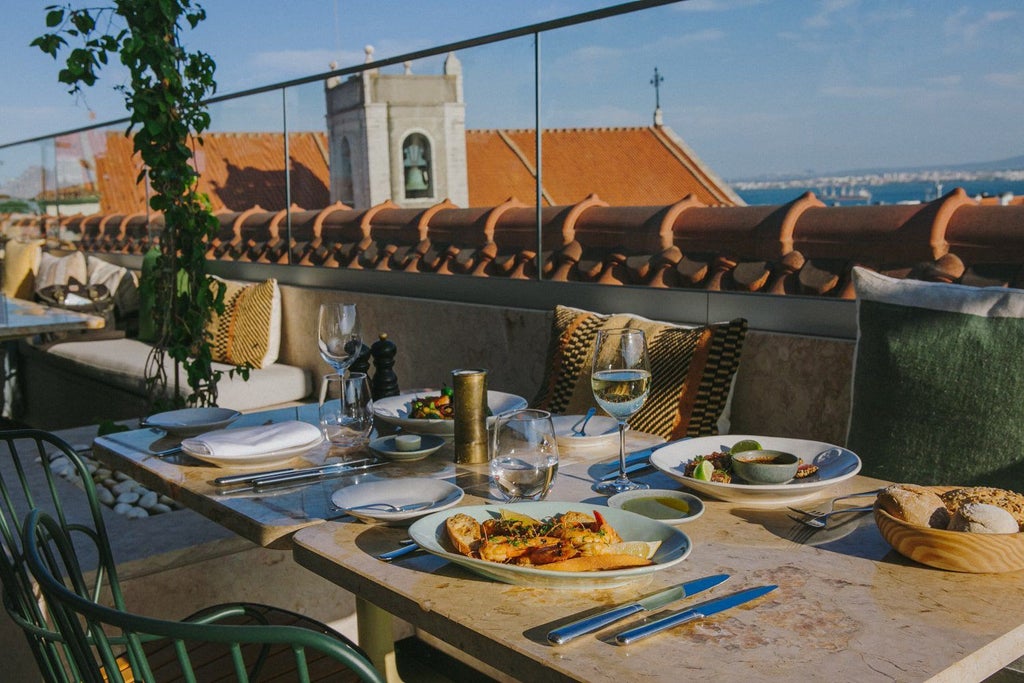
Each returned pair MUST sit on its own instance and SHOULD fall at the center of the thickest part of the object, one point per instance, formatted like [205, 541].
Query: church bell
[415, 178]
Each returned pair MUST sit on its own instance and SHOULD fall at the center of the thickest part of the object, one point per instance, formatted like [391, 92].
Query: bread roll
[464, 533]
[1011, 501]
[982, 518]
[914, 504]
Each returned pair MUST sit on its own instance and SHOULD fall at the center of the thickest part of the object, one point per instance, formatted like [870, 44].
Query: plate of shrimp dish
[552, 544]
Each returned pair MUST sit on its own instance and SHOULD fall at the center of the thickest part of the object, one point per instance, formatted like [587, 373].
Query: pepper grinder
[385, 381]
[470, 413]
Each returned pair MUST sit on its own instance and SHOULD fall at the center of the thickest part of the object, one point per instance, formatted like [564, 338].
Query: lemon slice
[644, 549]
[745, 445]
[704, 470]
[512, 516]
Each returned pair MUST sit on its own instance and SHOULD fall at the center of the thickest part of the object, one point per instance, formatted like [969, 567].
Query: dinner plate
[267, 458]
[192, 421]
[835, 465]
[438, 493]
[429, 532]
[385, 446]
[395, 410]
[601, 431]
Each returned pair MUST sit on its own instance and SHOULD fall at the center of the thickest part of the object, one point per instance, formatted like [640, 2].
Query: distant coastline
[847, 191]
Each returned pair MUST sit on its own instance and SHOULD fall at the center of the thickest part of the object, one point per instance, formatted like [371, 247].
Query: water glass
[524, 454]
[346, 409]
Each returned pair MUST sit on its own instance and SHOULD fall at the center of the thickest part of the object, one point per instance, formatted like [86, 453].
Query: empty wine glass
[338, 335]
[346, 409]
[524, 457]
[621, 379]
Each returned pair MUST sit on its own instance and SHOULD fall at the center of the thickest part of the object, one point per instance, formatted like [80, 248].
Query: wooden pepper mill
[385, 381]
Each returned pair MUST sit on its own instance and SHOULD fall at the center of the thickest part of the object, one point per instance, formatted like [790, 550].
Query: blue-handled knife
[644, 454]
[563, 634]
[701, 611]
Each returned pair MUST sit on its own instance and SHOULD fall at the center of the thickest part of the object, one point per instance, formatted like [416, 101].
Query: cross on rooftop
[656, 82]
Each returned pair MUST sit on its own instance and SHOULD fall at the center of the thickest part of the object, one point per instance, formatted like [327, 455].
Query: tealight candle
[407, 442]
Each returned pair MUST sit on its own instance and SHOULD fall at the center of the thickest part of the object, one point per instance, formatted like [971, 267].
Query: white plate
[385, 445]
[654, 509]
[835, 464]
[192, 421]
[395, 410]
[430, 534]
[439, 493]
[268, 458]
[601, 431]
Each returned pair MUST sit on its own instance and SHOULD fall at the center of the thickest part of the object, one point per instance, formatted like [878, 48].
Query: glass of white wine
[621, 379]
[524, 454]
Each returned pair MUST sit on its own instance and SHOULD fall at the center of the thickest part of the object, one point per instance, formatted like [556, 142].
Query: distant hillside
[1012, 163]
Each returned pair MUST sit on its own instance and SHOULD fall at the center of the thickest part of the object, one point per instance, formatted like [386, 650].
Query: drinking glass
[524, 454]
[621, 379]
[338, 335]
[346, 409]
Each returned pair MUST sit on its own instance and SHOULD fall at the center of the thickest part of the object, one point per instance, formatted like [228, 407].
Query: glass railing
[456, 122]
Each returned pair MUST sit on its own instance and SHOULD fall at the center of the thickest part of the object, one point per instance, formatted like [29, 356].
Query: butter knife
[299, 476]
[701, 611]
[630, 469]
[563, 634]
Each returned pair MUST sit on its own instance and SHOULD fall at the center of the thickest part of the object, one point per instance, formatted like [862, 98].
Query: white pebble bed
[116, 489]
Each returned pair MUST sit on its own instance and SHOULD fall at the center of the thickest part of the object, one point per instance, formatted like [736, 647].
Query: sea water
[886, 193]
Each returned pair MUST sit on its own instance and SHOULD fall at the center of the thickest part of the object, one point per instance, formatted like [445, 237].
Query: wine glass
[524, 457]
[339, 339]
[621, 379]
[346, 409]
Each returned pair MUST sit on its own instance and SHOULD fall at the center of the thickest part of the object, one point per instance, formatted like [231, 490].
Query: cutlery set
[262, 481]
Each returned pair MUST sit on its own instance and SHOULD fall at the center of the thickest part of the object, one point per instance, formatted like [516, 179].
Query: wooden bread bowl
[957, 551]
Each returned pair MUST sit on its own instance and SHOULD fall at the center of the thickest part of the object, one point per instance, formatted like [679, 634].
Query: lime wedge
[704, 470]
[745, 445]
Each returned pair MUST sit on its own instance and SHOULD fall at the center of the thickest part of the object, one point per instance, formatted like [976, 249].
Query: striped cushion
[249, 331]
[691, 367]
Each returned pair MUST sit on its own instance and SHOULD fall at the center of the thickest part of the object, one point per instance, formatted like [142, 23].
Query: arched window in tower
[345, 191]
[416, 159]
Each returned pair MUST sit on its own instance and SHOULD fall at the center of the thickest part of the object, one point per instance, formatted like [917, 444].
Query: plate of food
[567, 545]
[192, 421]
[429, 411]
[822, 466]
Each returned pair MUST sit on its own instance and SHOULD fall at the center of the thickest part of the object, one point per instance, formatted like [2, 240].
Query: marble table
[847, 608]
[26, 318]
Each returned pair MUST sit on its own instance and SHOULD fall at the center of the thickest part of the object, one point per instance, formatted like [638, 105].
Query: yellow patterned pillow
[21, 261]
[691, 370]
[249, 331]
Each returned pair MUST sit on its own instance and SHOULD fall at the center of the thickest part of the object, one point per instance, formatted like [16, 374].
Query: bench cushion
[123, 361]
[692, 368]
[937, 382]
[249, 331]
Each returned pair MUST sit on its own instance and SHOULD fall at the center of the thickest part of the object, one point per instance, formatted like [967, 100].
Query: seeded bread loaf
[1011, 501]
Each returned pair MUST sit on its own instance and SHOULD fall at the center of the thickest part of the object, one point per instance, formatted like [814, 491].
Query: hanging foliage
[165, 97]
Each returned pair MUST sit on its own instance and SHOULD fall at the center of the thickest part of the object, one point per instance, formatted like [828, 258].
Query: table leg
[376, 638]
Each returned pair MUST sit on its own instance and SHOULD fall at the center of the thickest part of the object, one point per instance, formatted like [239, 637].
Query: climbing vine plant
[165, 97]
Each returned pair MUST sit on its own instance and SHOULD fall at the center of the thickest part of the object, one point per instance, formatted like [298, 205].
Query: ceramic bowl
[765, 466]
[957, 551]
[665, 505]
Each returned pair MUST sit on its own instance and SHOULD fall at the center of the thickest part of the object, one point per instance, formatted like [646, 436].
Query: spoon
[388, 507]
[580, 428]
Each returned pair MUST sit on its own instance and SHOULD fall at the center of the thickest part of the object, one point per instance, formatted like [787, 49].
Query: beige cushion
[126, 358]
[691, 370]
[249, 331]
[21, 261]
[61, 270]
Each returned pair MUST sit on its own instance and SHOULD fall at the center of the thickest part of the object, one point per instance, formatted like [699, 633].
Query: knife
[254, 476]
[564, 634]
[701, 611]
[630, 469]
[298, 477]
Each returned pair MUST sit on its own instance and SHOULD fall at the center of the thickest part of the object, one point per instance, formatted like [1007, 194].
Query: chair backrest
[28, 481]
[112, 644]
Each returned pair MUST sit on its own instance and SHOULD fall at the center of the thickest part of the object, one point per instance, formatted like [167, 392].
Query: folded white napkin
[246, 441]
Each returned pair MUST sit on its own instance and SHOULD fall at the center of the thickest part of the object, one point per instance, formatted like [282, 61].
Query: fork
[830, 505]
[580, 428]
[821, 521]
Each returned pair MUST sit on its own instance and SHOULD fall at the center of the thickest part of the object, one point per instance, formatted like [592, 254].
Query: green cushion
[938, 380]
[147, 297]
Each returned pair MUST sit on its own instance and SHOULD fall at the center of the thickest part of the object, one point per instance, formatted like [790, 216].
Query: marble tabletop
[847, 606]
[21, 318]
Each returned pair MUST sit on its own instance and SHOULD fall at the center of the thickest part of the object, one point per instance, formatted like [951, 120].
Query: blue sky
[753, 86]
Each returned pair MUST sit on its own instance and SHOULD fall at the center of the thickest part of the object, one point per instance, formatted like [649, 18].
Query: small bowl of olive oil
[664, 505]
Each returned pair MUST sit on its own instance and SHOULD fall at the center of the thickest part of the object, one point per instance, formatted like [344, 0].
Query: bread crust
[464, 532]
[914, 504]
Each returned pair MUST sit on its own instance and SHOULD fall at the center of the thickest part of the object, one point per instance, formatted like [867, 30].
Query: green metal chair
[113, 645]
[27, 482]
